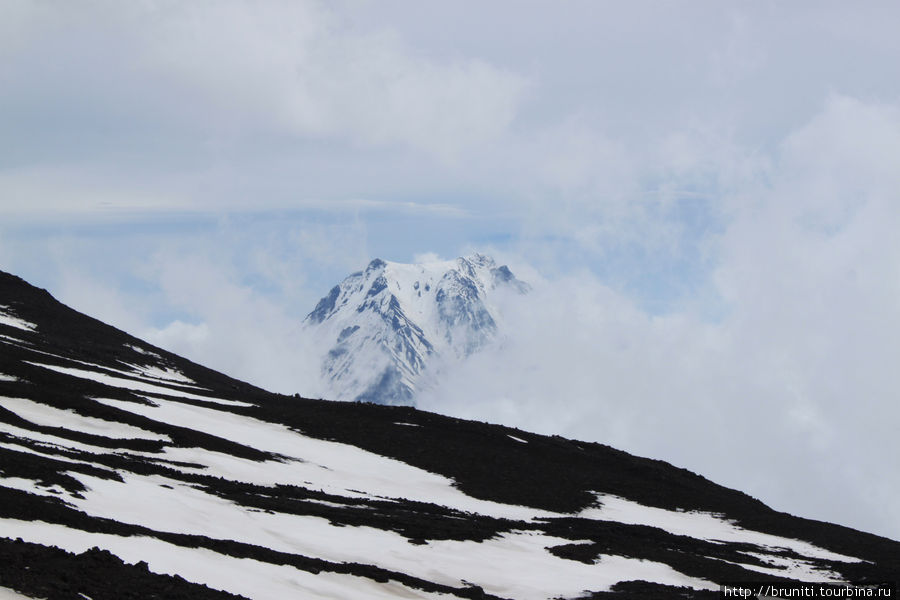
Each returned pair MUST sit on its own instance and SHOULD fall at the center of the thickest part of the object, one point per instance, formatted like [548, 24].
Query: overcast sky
[704, 195]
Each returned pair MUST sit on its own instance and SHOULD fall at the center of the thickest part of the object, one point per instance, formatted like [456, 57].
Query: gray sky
[705, 196]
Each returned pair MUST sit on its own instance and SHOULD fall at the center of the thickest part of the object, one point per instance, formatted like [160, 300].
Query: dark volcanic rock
[45, 466]
[54, 574]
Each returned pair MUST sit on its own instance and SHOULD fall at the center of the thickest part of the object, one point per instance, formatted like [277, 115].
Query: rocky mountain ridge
[385, 325]
[129, 472]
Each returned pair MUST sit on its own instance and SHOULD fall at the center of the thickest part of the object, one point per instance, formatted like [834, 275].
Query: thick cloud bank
[789, 391]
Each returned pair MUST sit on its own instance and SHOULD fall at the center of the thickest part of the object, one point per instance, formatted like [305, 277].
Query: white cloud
[45, 194]
[790, 395]
[426, 257]
[143, 107]
[181, 338]
[238, 331]
[293, 67]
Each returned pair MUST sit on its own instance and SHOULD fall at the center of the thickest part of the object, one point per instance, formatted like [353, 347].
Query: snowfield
[125, 466]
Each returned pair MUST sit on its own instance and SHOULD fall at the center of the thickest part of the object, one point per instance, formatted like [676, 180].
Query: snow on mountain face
[383, 326]
[129, 472]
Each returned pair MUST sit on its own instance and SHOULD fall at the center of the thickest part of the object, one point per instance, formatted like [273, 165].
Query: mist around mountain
[387, 328]
[127, 471]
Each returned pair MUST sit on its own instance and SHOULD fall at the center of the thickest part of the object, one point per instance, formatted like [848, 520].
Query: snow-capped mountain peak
[383, 325]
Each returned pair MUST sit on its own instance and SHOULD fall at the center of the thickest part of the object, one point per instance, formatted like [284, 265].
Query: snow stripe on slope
[700, 525]
[41, 414]
[247, 577]
[331, 466]
[7, 318]
[130, 384]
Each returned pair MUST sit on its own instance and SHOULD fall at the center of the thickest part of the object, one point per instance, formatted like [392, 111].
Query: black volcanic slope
[129, 472]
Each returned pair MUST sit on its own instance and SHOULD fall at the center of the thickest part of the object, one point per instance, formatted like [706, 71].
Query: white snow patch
[41, 414]
[700, 525]
[512, 437]
[331, 466]
[169, 374]
[130, 384]
[791, 568]
[407, 424]
[243, 576]
[7, 318]
[530, 571]
[5, 377]
[50, 442]
[13, 341]
[140, 350]
[8, 594]
[31, 486]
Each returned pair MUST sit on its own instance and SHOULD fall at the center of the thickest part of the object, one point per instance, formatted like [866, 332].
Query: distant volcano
[383, 326]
